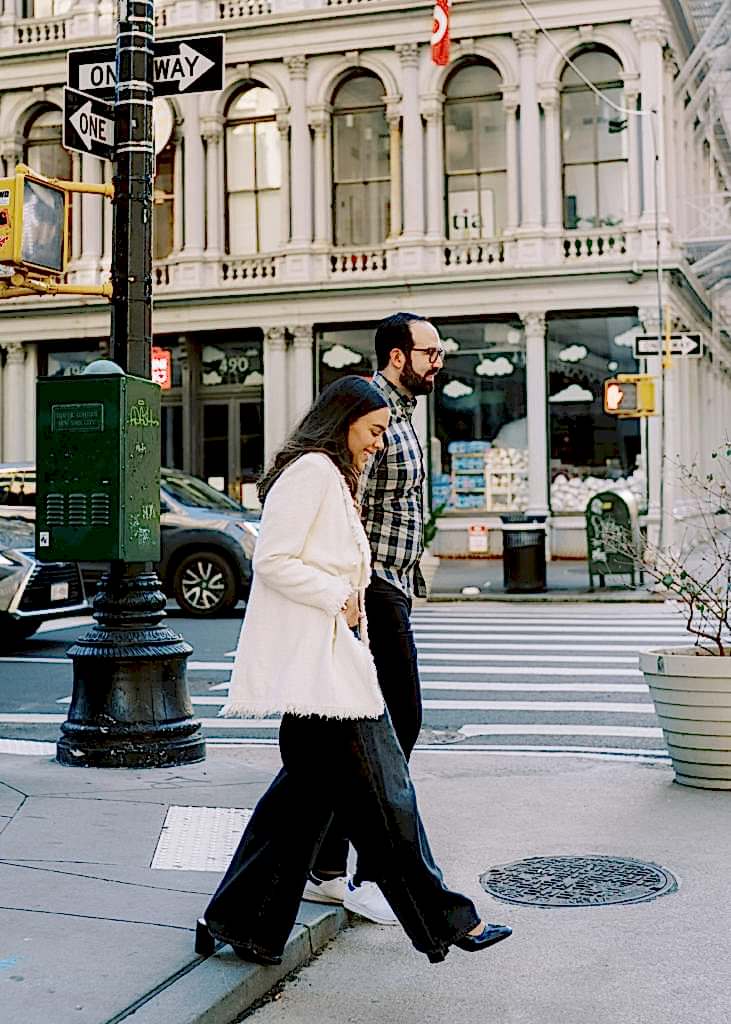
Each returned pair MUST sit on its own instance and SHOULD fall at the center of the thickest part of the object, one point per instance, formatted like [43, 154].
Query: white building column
[301, 174]
[530, 143]
[320, 123]
[275, 391]
[634, 163]
[13, 402]
[433, 114]
[670, 68]
[393, 116]
[194, 211]
[178, 200]
[302, 372]
[212, 132]
[512, 165]
[534, 325]
[285, 184]
[29, 403]
[92, 172]
[107, 220]
[76, 208]
[651, 34]
[413, 142]
[549, 100]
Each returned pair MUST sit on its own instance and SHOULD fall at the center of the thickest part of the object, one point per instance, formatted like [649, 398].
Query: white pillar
[552, 142]
[194, 211]
[671, 166]
[650, 323]
[275, 391]
[433, 114]
[413, 142]
[302, 370]
[212, 131]
[178, 213]
[320, 124]
[510, 108]
[107, 221]
[534, 325]
[530, 143]
[651, 35]
[14, 401]
[393, 116]
[285, 186]
[634, 164]
[29, 403]
[92, 172]
[301, 174]
[76, 207]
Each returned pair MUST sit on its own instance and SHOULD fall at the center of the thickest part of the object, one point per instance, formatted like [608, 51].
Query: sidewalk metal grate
[577, 881]
[199, 838]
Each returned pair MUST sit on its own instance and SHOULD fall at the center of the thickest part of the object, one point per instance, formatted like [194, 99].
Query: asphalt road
[562, 678]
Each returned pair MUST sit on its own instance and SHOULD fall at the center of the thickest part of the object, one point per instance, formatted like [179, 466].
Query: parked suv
[207, 539]
[32, 592]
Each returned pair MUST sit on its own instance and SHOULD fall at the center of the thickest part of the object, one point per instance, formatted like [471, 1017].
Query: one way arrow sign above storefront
[182, 66]
[685, 344]
[88, 124]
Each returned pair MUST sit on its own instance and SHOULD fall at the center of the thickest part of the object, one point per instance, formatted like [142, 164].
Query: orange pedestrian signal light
[630, 395]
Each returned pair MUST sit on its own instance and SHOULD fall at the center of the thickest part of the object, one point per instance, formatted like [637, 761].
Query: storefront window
[342, 352]
[231, 362]
[69, 363]
[590, 450]
[479, 443]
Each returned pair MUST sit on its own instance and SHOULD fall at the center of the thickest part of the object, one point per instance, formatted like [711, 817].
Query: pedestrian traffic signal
[630, 395]
[34, 214]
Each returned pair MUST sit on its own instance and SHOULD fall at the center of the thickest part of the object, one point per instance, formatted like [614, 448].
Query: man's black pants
[394, 652]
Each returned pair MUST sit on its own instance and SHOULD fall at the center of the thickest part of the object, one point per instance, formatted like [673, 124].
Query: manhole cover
[577, 881]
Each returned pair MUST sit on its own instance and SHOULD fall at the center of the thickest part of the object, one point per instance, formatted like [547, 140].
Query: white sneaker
[368, 901]
[329, 890]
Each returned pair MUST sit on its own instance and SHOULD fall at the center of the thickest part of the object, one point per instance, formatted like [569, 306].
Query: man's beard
[415, 383]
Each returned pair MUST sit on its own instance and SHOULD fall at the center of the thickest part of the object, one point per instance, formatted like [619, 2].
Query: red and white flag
[440, 33]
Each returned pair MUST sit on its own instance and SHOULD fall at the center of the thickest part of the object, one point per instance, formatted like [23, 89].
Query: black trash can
[524, 553]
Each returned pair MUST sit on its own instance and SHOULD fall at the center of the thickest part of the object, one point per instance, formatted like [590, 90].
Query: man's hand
[351, 611]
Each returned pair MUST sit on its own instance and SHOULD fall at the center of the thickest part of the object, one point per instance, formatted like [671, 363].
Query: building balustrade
[601, 243]
[477, 253]
[34, 31]
[250, 270]
[358, 261]
[235, 9]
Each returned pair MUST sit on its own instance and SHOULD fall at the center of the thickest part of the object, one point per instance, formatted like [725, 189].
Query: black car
[32, 592]
[207, 539]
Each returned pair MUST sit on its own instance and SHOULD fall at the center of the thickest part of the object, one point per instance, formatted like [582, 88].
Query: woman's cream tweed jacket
[296, 652]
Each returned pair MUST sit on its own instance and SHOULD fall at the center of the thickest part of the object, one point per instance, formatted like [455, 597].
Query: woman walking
[304, 653]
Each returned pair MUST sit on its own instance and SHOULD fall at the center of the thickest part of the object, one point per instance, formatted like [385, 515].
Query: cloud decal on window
[449, 344]
[456, 389]
[254, 379]
[339, 356]
[573, 354]
[500, 367]
[573, 393]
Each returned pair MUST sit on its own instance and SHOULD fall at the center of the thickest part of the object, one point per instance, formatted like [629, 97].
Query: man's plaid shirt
[393, 497]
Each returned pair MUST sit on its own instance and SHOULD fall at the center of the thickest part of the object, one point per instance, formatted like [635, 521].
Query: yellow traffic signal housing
[630, 395]
[34, 217]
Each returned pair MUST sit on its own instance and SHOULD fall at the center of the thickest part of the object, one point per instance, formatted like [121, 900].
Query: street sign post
[181, 66]
[685, 344]
[88, 124]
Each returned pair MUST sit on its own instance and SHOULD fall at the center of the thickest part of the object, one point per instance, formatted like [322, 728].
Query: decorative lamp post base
[130, 706]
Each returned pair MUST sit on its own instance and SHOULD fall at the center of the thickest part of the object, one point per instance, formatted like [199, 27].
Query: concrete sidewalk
[567, 580]
[91, 933]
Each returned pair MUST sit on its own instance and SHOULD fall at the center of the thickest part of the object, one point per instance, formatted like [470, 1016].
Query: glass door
[216, 446]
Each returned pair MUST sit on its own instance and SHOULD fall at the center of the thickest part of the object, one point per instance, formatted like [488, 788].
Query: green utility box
[612, 535]
[98, 473]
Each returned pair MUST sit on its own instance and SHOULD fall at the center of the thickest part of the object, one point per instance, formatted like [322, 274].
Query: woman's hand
[351, 611]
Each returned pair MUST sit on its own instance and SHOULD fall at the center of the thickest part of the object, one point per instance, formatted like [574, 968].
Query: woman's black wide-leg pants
[356, 768]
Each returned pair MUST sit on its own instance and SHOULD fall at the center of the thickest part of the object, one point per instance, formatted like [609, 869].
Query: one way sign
[193, 64]
[88, 124]
[686, 344]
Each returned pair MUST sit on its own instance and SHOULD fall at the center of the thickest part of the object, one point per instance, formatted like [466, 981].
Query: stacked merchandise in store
[506, 479]
[572, 494]
[468, 474]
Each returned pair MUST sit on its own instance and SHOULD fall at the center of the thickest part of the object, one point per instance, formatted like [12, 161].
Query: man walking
[409, 355]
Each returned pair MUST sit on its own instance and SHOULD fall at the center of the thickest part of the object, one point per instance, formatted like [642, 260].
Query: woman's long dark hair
[325, 429]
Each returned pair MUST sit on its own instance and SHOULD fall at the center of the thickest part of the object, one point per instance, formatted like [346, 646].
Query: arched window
[475, 153]
[42, 149]
[163, 191]
[253, 172]
[361, 167]
[594, 143]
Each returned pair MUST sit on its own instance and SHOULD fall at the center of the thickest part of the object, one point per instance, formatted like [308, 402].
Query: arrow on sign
[185, 68]
[91, 127]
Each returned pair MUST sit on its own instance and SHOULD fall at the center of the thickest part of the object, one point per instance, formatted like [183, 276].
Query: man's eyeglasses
[433, 354]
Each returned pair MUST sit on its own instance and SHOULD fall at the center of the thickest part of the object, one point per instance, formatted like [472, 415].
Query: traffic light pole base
[130, 706]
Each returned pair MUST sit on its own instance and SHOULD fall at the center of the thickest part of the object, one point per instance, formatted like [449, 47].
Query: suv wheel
[204, 584]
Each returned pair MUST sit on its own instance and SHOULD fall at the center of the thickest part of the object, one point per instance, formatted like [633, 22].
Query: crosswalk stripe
[527, 646]
[530, 670]
[451, 684]
[571, 659]
[488, 705]
[559, 730]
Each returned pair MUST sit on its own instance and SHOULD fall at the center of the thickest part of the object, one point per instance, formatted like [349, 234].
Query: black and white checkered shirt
[393, 497]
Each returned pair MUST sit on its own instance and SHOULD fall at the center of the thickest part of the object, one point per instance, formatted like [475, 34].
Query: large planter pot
[692, 694]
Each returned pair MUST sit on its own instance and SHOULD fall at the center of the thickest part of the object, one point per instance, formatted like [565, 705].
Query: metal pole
[130, 706]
